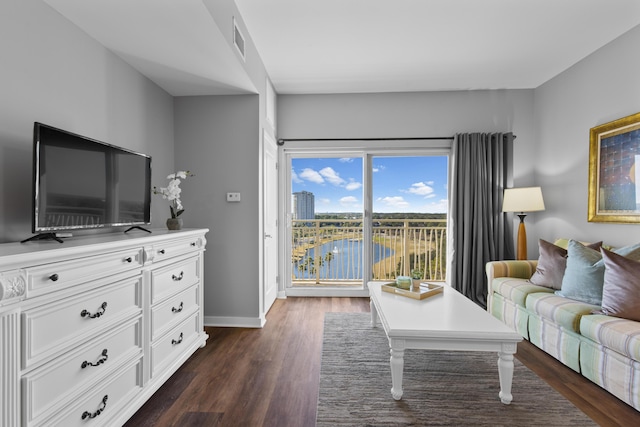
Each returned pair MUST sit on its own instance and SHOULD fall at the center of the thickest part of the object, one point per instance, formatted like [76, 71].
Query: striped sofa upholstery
[604, 349]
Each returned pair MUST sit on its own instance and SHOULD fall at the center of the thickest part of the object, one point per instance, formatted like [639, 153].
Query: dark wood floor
[269, 376]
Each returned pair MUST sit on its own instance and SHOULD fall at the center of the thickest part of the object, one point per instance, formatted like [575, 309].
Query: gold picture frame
[614, 171]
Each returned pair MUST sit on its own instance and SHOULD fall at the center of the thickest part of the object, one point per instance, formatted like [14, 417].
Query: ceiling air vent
[238, 38]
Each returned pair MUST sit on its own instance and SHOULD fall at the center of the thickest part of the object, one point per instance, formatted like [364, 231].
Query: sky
[400, 184]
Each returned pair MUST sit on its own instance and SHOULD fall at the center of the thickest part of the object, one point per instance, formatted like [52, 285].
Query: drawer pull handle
[193, 244]
[178, 341]
[54, 277]
[87, 414]
[99, 313]
[128, 259]
[179, 309]
[161, 251]
[103, 358]
[178, 278]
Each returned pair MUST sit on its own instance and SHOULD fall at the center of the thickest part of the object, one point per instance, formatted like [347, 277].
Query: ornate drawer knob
[99, 313]
[103, 358]
[87, 414]
[178, 341]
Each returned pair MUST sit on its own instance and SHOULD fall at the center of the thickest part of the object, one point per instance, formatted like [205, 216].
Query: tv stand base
[43, 236]
[137, 227]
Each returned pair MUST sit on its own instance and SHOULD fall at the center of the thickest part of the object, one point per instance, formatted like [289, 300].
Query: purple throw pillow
[621, 291]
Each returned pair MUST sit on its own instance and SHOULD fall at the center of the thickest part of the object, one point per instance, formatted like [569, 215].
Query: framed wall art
[614, 171]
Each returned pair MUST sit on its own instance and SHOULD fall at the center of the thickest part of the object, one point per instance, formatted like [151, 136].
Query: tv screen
[81, 183]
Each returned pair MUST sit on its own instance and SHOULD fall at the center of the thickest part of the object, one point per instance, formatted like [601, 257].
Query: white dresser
[92, 327]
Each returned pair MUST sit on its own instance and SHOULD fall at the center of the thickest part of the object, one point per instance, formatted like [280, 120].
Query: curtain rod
[427, 138]
[282, 141]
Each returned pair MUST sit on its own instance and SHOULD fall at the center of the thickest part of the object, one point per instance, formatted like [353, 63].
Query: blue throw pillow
[584, 276]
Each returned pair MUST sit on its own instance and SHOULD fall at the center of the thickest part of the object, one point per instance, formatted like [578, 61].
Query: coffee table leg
[397, 367]
[505, 372]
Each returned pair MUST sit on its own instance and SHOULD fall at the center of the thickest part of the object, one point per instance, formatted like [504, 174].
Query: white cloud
[438, 206]
[421, 189]
[324, 201]
[311, 175]
[332, 176]
[348, 199]
[349, 202]
[295, 178]
[353, 185]
[394, 202]
[346, 160]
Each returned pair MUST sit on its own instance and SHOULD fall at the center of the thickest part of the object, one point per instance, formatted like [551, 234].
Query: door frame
[269, 144]
[365, 149]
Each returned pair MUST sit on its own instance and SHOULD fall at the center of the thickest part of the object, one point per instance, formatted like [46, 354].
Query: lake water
[347, 260]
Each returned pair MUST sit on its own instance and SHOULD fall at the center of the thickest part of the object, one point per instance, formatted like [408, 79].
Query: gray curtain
[481, 169]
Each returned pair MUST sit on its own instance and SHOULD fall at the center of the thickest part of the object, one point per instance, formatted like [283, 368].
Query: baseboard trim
[234, 322]
[327, 292]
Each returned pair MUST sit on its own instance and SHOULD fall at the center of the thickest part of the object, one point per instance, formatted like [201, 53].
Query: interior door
[270, 182]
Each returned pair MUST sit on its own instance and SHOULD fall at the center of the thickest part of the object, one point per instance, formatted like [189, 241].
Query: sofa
[579, 303]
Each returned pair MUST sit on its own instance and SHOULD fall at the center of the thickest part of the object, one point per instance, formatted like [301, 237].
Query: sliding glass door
[358, 215]
[409, 219]
[327, 245]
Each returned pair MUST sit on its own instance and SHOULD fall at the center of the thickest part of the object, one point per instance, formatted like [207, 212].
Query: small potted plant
[172, 193]
[416, 277]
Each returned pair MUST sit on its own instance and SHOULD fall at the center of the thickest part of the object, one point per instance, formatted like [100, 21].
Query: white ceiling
[342, 46]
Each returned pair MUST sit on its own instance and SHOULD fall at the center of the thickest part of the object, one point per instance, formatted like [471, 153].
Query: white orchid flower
[172, 192]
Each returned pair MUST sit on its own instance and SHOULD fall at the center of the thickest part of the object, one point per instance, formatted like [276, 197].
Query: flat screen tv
[81, 183]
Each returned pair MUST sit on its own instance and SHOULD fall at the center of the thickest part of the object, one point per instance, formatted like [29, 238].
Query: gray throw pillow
[584, 276]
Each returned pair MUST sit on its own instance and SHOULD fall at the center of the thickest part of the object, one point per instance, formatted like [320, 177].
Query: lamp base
[521, 252]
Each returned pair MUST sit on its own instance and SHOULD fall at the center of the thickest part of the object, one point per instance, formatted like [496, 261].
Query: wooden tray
[426, 290]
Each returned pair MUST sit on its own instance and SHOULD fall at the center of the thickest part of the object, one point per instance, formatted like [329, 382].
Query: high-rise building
[304, 205]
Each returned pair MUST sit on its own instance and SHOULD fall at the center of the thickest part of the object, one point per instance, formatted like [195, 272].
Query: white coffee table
[447, 321]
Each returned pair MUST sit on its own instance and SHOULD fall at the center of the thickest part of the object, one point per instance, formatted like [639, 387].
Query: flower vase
[174, 223]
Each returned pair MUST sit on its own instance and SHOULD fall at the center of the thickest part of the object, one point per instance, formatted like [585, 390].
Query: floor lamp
[524, 199]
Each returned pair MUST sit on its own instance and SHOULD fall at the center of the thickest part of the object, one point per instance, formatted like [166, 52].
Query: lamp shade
[524, 199]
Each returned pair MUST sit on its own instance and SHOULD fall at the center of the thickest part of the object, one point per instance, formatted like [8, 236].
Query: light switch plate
[233, 197]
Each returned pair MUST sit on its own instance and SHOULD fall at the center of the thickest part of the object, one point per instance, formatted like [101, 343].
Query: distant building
[304, 205]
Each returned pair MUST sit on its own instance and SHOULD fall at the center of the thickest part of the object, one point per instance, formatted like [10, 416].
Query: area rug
[441, 388]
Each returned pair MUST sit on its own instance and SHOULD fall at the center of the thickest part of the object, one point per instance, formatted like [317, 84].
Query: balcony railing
[330, 252]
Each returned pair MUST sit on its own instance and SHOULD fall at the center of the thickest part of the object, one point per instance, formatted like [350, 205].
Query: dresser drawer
[173, 248]
[63, 324]
[166, 315]
[168, 281]
[59, 275]
[55, 383]
[168, 349]
[102, 402]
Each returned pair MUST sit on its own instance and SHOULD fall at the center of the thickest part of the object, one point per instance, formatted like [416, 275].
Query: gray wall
[603, 87]
[54, 73]
[219, 142]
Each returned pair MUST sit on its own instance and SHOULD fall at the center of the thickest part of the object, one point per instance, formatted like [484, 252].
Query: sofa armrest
[521, 269]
